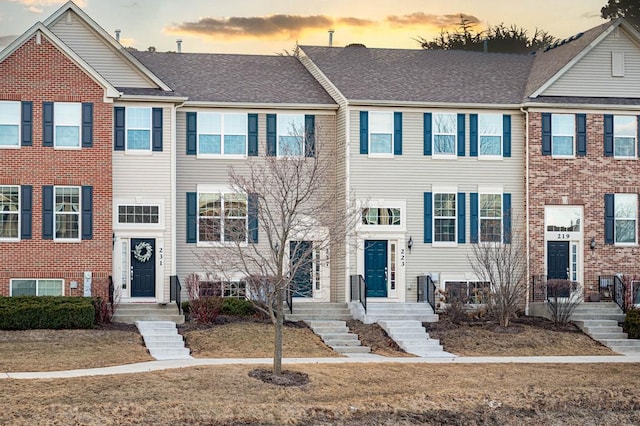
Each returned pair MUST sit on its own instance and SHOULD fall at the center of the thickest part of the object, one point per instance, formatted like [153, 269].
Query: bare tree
[504, 267]
[291, 198]
[563, 297]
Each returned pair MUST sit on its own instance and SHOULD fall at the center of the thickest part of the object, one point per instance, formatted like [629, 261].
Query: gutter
[269, 105]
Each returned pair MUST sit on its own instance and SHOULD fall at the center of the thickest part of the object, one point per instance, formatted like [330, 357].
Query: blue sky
[270, 26]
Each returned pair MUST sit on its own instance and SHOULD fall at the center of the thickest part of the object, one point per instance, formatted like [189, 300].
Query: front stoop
[381, 311]
[336, 335]
[129, 313]
[600, 322]
[412, 337]
[162, 340]
[318, 311]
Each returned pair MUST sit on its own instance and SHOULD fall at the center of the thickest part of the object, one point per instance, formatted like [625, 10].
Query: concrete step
[412, 337]
[374, 318]
[602, 329]
[621, 342]
[342, 342]
[336, 335]
[352, 349]
[172, 353]
[626, 350]
[607, 336]
[598, 316]
[318, 316]
[129, 313]
[162, 340]
[596, 323]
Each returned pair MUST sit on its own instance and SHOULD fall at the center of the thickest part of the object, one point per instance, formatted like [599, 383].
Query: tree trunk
[277, 351]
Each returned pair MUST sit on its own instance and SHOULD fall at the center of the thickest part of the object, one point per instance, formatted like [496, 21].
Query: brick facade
[580, 181]
[42, 73]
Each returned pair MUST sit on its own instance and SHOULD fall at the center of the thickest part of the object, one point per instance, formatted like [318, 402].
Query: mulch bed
[287, 378]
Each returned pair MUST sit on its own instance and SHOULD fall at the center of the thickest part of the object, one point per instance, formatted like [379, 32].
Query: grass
[337, 394]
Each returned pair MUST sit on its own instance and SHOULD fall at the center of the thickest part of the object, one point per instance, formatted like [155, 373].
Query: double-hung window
[37, 287]
[9, 212]
[67, 213]
[444, 217]
[444, 134]
[490, 134]
[138, 129]
[9, 124]
[68, 124]
[625, 128]
[490, 218]
[222, 217]
[380, 132]
[626, 222]
[222, 134]
[563, 127]
[291, 134]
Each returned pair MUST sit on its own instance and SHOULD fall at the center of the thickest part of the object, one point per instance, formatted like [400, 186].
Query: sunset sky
[271, 26]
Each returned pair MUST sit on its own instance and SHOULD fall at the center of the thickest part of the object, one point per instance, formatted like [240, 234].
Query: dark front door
[301, 253]
[375, 267]
[557, 260]
[143, 267]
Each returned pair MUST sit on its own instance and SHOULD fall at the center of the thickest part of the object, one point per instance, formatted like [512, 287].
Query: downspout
[174, 195]
[526, 211]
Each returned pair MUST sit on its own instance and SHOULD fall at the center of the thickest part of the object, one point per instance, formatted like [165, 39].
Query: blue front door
[143, 267]
[375, 267]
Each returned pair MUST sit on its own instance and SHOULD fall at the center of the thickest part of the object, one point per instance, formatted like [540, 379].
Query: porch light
[410, 243]
[592, 244]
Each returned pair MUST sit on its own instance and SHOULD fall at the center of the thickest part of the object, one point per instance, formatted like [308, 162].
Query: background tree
[628, 9]
[499, 38]
[292, 196]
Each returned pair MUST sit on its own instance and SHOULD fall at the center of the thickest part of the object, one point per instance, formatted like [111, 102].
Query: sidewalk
[144, 367]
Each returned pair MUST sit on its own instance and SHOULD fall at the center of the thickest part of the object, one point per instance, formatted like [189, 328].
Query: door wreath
[142, 252]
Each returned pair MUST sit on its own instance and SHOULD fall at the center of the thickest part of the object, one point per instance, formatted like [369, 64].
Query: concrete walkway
[143, 367]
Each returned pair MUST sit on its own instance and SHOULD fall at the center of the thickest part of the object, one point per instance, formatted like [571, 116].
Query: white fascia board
[417, 104]
[240, 105]
[151, 98]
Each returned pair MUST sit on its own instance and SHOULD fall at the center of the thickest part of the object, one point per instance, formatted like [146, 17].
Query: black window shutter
[506, 135]
[118, 128]
[47, 124]
[428, 217]
[271, 135]
[397, 133]
[461, 217]
[473, 135]
[473, 217]
[581, 131]
[309, 135]
[192, 136]
[27, 123]
[252, 214]
[506, 218]
[608, 135]
[427, 133]
[156, 129]
[252, 126]
[461, 133]
[87, 125]
[364, 132]
[609, 218]
[546, 133]
[26, 205]
[47, 212]
[192, 217]
[87, 212]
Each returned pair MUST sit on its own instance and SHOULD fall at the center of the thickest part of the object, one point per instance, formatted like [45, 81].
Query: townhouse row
[116, 162]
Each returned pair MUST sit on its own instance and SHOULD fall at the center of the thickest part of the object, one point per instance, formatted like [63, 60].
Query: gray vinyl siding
[338, 271]
[193, 171]
[591, 75]
[149, 177]
[102, 57]
[408, 176]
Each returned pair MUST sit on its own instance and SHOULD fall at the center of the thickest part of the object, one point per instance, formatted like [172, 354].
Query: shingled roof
[252, 79]
[424, 76]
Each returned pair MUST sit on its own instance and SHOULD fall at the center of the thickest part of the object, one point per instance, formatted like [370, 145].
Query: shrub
[632, 323]
[104, 311]
[52, 312]
[562, 299]
[456, 311]
[237, 307]
[205, 309]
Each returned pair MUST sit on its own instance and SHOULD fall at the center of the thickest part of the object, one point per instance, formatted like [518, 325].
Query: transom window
[626, 211]
[491, 218]
[67, 212]
[138, 129]
[444, 133]
[490, 134]
[222, 217]
[291, 134]
[381, 216]
[563, 128]
[625, 128]
[563, 219]
[9, 212]
[9, 123]
[380, 132]
[222, 134]
[37, 287]
[444, 217]
[138, 214]
[68, 121]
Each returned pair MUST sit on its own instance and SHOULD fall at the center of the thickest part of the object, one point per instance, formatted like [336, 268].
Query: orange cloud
[439, 21]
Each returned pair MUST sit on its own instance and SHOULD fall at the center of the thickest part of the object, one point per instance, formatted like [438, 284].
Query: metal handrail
[359, 290]
[426, 290]
[111, 292]
[619, 293]
[289, 294]
[175, 290]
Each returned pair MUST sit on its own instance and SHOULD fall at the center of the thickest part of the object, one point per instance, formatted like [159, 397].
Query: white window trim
[36, 280]
[222, 134]
[18, 123]
[79, 214]
[211, 189]
[127, 128]
[635, 139]
[616, 218]
[77, 122]
[19, 213]
[573, 136]
[381, 203]
[446, 155]
[480, 217]
[444, 190]
[500, 134]
[381, 154]
[281, 127]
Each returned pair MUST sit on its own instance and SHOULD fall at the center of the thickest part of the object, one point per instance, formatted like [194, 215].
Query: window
[380, 216]
[380, 132]
[563, 134]
[291, 134]
[222, 134]
[624, 136]
[67, 213]
[138, 214]
[467, 292]
[68, 122]
[38, 287]
[626, 213]
[222, 217]
[138, 129]
[491, 218]
[9, 212]
[9, 124]
[234, 289]
[444, 134]
[490, 134]
[444, 217]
